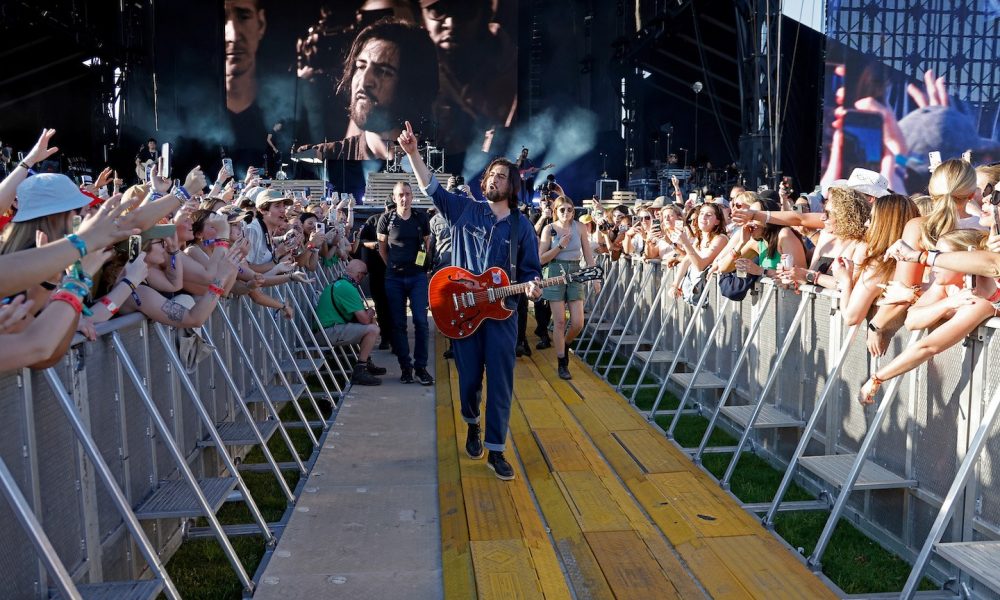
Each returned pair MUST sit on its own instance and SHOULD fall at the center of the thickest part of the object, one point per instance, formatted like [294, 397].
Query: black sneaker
[373, 369]
[543, 344]
[407, 376]
[500, 466]
[424, 377]
[473, 445]
[519, 350]
[363, 377]
[563, 368]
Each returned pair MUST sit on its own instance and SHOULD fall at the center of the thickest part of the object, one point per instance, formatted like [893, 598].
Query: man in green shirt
[342, 312]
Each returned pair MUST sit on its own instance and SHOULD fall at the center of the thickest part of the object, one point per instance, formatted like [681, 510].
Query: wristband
[181, 192]
[155, 196]
[80, 246]
[214, 289]
[932, 256]
[873, 327]
[111, 306]
[220, 244]
[922, 257]
[135, 296]
[995, 297]
[68, 298]
[24, 166]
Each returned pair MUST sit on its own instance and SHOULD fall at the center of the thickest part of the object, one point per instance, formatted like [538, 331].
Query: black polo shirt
[405, 238]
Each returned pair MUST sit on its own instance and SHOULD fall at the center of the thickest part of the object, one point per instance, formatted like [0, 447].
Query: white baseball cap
[868, 182]
[48, 194]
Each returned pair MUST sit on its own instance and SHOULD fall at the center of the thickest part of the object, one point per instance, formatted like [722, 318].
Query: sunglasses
[646, 218]
[565, 209]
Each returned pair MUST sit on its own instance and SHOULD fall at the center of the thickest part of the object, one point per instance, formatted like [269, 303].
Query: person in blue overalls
[480, 239]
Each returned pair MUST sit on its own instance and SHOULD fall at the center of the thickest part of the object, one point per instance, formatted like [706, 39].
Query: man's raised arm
[408, 142]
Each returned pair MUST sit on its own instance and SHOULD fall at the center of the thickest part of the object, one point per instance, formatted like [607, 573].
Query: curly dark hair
[513, 177]
[418, 64]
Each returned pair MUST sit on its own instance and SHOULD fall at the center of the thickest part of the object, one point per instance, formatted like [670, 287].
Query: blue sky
[809, 12]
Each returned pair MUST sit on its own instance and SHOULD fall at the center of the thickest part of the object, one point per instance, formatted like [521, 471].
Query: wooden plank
[592, 504]
[711, 572]
[703, 508]
[541, 411]
[582, 570]
[751, 559]
[504, 570]
[456, 558]
[645, 448]
[630, 569]
[561, 451]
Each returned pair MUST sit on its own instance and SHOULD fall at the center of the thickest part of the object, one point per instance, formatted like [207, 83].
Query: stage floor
[602, 506]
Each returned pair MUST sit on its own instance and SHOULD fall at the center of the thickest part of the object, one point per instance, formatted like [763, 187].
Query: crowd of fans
[76, 257]
[855, 236]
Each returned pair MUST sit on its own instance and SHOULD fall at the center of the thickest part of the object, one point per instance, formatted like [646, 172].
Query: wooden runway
[603, 506]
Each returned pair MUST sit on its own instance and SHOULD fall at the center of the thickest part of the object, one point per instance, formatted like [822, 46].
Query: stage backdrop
[914, 76]
[314, 73]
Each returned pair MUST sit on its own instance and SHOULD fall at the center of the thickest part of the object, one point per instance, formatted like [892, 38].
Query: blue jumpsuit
[479, 241]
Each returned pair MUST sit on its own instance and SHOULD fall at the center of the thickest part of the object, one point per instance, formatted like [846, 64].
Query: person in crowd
[346, 319]
[636, 238]
[441, 242]
[757, 249]
[404, 244]
[265, 248]
[391, 75]
[491, 347]
[949, 307]
[564, 243]
[478, 72]
[540, 218]
[369, 251]
[952, 186]
[862, 277]
[700, 249]
[844, 236]
[593, 236]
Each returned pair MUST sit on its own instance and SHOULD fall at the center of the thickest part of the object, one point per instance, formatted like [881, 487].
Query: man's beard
[494, 195]
[374, 118]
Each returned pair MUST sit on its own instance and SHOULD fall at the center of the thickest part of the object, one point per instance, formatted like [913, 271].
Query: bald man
[346, 319]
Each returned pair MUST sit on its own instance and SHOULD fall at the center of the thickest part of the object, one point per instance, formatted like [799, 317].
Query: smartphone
[693, 197]
[77, 221]
[228, 164]
[862, 141]
[149, 171]
[967, 156]
[656, 225]
[321, 227]
[165, 168]
[134, 247]
[934, 158]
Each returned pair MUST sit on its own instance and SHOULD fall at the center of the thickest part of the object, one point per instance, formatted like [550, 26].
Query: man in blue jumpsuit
[480, 239]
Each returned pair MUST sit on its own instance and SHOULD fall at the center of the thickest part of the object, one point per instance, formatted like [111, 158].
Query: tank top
[765, 261]
[573, 250]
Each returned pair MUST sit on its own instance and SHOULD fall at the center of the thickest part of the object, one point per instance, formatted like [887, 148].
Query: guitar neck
[520, 288]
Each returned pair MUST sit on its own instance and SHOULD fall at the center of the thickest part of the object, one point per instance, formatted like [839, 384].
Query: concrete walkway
[367, 523]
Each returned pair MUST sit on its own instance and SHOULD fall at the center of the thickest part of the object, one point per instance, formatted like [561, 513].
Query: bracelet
[875, 379]
[24, 165]
[135, 296]
[111, 306]
[214, 289]
[995, 297]
[932, 256]
[80, 246]
[68, 298]
[220, 244]
[922, 258]
[182, 193]
[155, 196]
[174, 253]
[767, 215]
[874, 328]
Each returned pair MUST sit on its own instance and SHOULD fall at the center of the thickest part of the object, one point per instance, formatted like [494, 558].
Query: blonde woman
[560, 251]
[954, 310]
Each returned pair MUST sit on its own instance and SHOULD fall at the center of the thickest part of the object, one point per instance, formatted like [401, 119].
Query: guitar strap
[516, 219]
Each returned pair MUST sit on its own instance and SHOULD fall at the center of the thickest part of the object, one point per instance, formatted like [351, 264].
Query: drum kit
[432, 155]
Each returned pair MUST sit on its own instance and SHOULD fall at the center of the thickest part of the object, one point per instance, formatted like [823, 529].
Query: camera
[459, 180]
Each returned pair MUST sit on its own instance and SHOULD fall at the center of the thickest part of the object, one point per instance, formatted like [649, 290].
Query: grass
[200, 568]
[854, 562]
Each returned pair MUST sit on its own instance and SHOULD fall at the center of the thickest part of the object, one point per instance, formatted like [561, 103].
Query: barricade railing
[789, 373]
[103, 454]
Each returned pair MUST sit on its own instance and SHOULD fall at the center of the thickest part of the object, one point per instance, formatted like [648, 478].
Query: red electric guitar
[460, 300]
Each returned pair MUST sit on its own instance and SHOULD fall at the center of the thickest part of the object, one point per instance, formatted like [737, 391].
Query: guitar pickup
[454, 299]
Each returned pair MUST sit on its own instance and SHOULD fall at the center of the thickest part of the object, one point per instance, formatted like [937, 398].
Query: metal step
[606, 327]
[240, 530]
[705, 381]
[146, 589]
[978, 559]
[835, 467]
[631, 338]
[175, 500]
[266, 467]
[277, 393]
[305, 365]
[659, 356]
[770, 417]
[242, 434]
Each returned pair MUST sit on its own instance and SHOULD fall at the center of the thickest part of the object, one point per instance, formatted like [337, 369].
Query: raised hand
[901, 251]
[106, 176]
[41, 151]
[137, 270]
[936, 91]
[195, 182]
[407, 140]
[12, 314]
[160, 184]
[106, 226]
